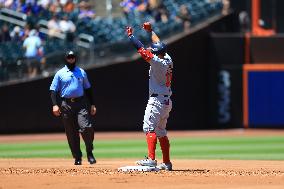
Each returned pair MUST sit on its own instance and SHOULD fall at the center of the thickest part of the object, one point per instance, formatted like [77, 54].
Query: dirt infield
[207, 174]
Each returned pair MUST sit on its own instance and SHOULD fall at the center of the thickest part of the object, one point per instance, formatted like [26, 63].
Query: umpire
[71, 84]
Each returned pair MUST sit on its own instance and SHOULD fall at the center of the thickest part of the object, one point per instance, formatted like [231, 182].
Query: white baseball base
[138, 168]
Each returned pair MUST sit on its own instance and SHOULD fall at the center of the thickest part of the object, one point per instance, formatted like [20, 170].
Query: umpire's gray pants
[76, 119]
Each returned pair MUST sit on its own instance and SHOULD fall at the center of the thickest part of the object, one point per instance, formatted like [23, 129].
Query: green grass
[246, 148]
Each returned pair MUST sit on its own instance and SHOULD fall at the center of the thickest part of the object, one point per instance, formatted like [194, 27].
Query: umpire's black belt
[155, 95]
[76, 99]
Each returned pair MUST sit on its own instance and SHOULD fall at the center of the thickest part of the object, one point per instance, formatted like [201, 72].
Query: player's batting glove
[129, 30]
[147, 26]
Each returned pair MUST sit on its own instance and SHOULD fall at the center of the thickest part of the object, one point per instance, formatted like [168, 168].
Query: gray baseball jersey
[160, 74]
[159, 107]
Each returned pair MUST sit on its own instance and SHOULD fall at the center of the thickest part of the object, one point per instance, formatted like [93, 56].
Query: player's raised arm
[136, 43]
[145, 54]
[157, 47]
[148, 27]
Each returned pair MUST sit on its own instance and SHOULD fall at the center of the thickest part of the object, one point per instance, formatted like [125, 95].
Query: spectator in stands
[152, 5]
[55, 7]
[161, 14]
[17, 34]
[5, 34]
[136, 8]
[53, 26]
[184, 17]
[32, 46]
[67, 27]
[32, 9]
[69, 6]
[44, 13]
[26, 7]
[142, 5]
[36, 8]
[44, 3]
[8, 3]
[85, 11]
[12, 4]
[129, 7]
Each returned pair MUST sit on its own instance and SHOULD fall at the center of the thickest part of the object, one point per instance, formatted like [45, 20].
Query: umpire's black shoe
[91, 158]
[78, 162]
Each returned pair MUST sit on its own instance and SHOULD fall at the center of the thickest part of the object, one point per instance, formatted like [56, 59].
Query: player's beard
[71, 66]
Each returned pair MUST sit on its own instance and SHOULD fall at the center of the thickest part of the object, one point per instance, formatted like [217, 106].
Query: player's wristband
[145, 54]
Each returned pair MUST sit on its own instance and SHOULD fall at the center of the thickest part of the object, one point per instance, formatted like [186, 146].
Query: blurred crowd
[155, 8]
[32, 40]
[65, 16]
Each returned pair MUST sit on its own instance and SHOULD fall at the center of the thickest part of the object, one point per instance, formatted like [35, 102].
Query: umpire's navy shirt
[70, 84]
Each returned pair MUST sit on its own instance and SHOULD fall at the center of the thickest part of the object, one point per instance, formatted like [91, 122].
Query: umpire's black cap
[70, 54]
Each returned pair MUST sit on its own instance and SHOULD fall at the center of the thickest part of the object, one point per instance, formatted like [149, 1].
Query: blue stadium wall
[121, 92]
[263, 95]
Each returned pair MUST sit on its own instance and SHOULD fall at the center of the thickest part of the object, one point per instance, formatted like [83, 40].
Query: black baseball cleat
[78, 162]
[91, 158]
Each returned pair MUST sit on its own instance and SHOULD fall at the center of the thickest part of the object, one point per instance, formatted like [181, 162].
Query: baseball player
[159, 103]
[72, 85]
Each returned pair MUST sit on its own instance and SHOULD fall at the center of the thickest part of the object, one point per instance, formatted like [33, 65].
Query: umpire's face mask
[71, 62]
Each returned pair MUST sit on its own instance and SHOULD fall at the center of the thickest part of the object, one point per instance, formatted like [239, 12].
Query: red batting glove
[147, 26]
[129, 30]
